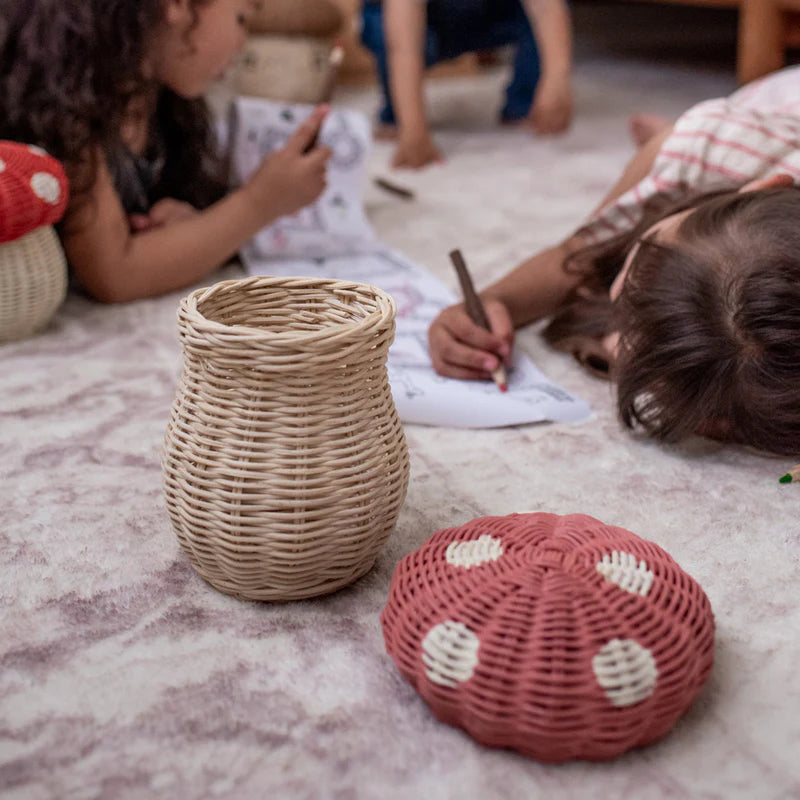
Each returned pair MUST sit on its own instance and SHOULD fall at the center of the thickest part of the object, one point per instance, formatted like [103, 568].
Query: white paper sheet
[335, 223]
[333, 239]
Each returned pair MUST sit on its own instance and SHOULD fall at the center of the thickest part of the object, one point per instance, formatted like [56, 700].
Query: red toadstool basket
[560, 637]
[33, 268]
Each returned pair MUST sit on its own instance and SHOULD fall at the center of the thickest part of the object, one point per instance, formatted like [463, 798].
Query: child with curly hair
[115, 90]
[683, 287]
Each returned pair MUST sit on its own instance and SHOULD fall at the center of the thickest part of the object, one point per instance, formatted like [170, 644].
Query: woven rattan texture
[33, 282]
[284, 68]
[560, 637]
[285, 464]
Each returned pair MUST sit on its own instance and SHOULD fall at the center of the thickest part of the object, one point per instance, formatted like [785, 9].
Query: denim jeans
[456, 27]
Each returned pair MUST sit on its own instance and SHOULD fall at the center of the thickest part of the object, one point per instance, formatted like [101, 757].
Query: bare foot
[644, 127]
[384, 132]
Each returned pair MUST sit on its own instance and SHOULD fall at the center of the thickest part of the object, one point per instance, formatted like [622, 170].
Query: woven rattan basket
[285, 464]
[560, 637]
[285, 69]
[33, 282]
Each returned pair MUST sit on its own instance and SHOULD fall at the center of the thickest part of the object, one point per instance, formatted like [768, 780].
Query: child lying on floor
[683, 287]
[114, 90]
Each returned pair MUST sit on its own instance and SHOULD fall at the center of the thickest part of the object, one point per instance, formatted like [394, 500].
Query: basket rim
[189, 312]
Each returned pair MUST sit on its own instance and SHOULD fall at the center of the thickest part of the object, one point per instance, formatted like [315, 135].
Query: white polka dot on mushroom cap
[46, 187]
[627, 572]
[38, 151]
[2, 165]
[626, 671]
[450, 653]
[474, 552]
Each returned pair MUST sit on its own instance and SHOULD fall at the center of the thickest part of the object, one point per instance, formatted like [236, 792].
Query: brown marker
[476, 311]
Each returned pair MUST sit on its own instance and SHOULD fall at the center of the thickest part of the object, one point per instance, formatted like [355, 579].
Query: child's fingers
[319, 157]
[456, 360]
[170, 210]
[502, 327]
[451, 354]
[463, 329]
[461, 356]
[305, 133]
[140, 222]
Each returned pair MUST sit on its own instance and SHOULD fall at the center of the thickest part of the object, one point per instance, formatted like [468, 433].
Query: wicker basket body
[33, 282]
[285, 464]
[286, 69]
[560, 637]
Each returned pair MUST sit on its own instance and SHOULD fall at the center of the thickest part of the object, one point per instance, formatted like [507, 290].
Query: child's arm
[116, 264]
[404, 22]
[535, 289]
[552, 104]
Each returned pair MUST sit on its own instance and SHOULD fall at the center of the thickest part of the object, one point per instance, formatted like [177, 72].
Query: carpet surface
[124, 675]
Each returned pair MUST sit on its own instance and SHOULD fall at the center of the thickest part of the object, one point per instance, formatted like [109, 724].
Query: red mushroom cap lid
[33, 190]
[560, 637]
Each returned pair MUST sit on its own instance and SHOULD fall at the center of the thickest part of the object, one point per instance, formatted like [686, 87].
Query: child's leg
[468, 26]
[525, 77]
[372, 37]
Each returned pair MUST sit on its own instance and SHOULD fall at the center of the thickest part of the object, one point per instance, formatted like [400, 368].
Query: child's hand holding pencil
[461, 347]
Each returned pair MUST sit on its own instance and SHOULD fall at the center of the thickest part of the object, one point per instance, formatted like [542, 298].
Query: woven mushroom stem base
[33, 282]
[285, 465]
[560, 637]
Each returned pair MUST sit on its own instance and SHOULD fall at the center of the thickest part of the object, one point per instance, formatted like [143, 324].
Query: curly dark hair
[709, 326]
[68, 71]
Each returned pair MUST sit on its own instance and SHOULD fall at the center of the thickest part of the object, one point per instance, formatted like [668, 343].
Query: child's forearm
[166, 258]
[638, 167]
[538, 286]
[405, 22]
[552, 26]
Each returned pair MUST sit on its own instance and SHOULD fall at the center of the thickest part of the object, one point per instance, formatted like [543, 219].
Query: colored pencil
[791, 476]
[393, 188]
[476, 311]
[334, 62]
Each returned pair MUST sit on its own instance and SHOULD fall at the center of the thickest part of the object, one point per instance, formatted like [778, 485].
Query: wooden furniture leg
[762, 38]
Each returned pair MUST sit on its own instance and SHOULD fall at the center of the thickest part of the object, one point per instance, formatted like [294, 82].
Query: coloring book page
[422, 396]
[335, 223]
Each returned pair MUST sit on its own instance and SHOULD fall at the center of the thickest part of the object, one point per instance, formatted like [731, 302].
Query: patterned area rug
[123, 675]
